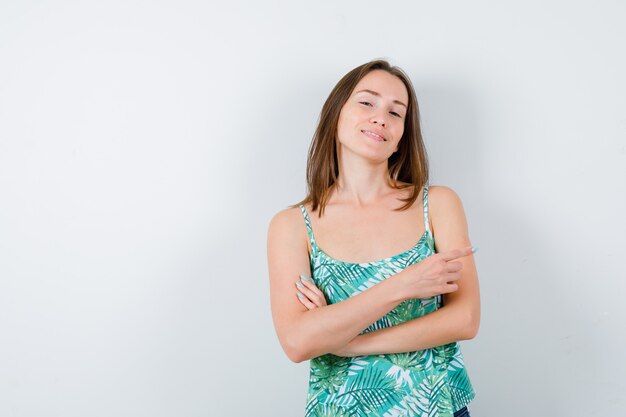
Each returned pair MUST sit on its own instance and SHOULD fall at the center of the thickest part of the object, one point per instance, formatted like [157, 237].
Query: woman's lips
[374, 136]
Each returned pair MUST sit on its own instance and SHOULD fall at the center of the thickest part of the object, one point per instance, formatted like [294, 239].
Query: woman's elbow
[293, 348]
[471, 327]
[294, 355]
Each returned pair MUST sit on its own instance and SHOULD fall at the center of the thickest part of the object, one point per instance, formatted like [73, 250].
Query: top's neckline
[385, 260]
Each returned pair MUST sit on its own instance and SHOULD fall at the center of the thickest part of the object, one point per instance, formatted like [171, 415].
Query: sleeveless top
[430, 382]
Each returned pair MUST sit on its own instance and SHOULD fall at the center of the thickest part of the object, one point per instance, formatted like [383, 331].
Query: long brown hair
[408, 164]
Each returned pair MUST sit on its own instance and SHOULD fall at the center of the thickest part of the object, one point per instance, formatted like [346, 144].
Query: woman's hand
[313, 297]
[309, 294]
[434, 275]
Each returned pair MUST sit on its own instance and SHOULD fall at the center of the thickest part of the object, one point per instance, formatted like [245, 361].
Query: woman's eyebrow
[374, 93]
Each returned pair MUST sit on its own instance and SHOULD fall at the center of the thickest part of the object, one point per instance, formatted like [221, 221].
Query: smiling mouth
[373, 136]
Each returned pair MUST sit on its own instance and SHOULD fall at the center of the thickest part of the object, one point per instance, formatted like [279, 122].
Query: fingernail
[474, 249]
[303, 277]
[299, 284]
[300, 295]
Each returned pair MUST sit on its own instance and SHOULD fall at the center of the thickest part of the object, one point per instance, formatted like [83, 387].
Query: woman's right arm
[305, 334]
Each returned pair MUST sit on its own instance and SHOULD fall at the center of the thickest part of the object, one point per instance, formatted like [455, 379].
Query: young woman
[377, 314]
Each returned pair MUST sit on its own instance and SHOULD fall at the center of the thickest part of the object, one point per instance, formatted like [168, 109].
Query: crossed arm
[459, 317]
[456, 320]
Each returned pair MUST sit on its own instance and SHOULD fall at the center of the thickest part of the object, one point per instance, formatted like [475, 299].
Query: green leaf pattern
[426, 383]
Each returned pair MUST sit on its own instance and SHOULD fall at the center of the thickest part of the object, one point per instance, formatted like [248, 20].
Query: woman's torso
[432, 381]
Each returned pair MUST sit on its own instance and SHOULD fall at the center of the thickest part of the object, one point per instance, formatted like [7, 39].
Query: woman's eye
[367, 103]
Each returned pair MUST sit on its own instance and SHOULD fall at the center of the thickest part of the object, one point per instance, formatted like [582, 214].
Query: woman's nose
[378, 118]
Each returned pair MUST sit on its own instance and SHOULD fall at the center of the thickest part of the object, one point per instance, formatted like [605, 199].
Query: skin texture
[359, 225]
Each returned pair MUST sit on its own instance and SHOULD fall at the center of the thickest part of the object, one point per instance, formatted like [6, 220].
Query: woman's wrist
[397, 287]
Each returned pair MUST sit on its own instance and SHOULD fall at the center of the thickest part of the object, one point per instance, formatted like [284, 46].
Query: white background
[144, 147]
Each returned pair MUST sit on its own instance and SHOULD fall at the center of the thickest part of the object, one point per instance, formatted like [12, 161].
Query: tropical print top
[431, 382]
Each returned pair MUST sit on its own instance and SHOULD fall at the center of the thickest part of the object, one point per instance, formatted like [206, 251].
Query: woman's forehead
[384, 84]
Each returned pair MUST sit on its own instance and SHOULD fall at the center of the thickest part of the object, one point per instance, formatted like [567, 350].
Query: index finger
[458, 253]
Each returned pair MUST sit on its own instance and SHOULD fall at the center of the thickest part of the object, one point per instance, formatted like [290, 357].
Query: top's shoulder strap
[308, 223]
[426, 223]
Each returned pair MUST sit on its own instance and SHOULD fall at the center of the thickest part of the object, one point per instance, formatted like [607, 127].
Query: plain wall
[144, 147]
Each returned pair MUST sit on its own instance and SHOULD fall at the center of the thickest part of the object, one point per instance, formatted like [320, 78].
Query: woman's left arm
[459, 318]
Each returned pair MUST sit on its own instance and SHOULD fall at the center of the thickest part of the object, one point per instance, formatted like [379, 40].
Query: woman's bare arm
[459, 318]
[303, 333]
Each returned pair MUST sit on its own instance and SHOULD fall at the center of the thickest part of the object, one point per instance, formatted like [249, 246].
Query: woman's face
[371, 122]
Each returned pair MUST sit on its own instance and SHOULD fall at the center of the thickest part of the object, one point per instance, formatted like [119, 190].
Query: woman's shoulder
[287, 217]
[444, 203]
[288, 226]
[447, 218]
[443, 194]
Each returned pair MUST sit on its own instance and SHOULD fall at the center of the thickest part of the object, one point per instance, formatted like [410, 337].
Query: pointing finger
[458, 253]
